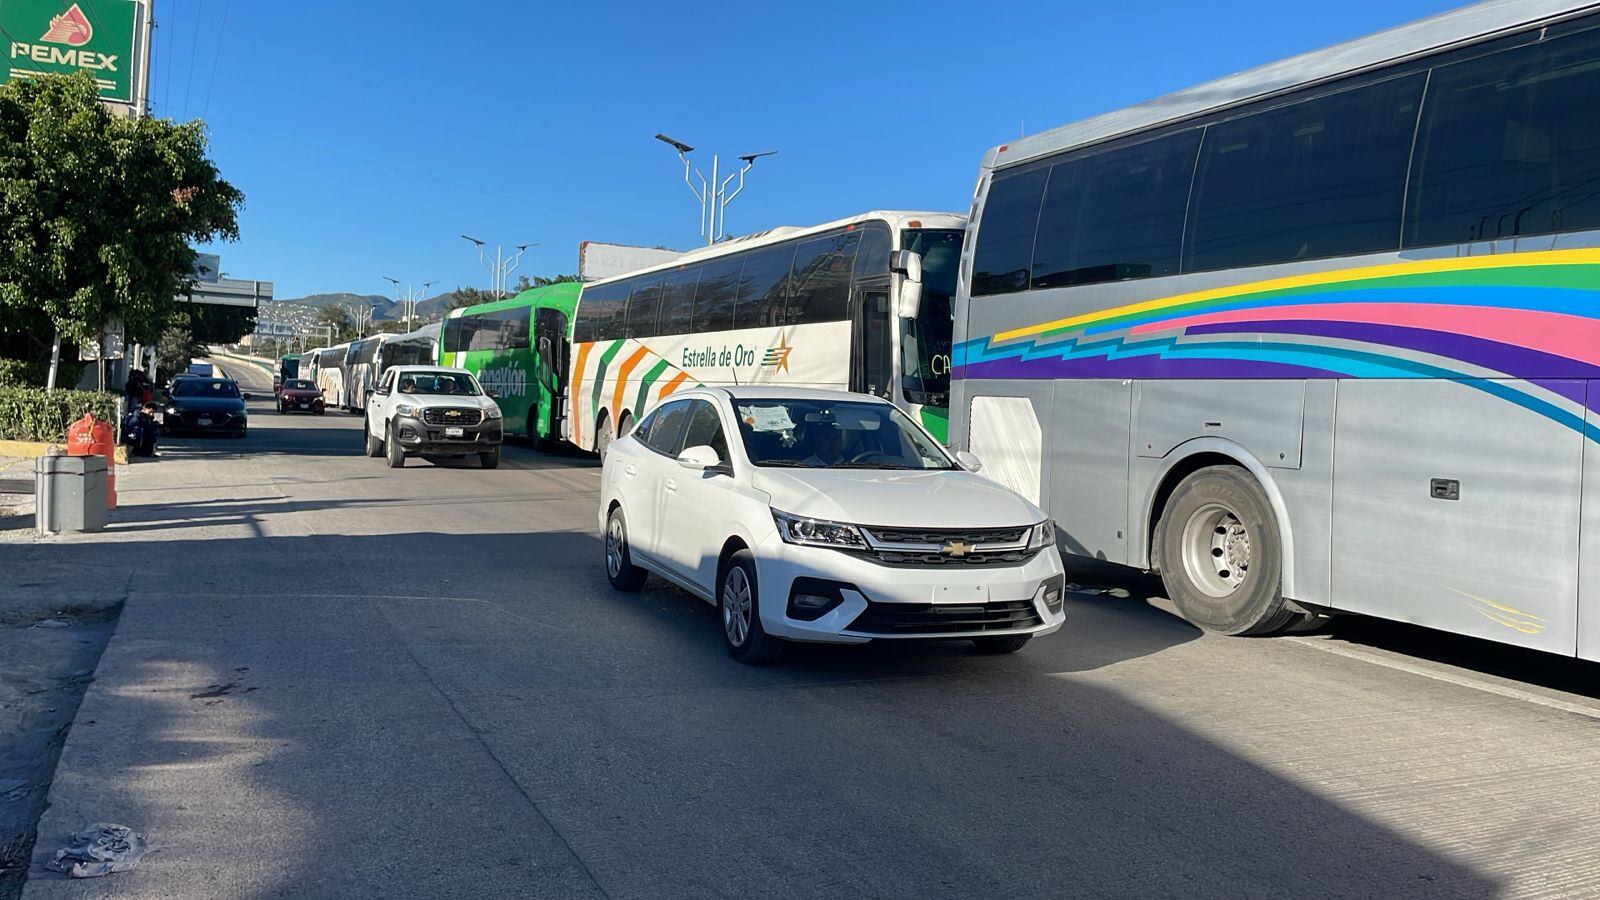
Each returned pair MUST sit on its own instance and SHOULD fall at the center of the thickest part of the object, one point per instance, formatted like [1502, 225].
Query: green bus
[518, 349]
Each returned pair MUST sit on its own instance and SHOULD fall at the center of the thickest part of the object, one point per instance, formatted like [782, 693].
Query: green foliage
[213, 324]
[33, 414]
[32, 372]
[98, 212]
[470, 296]
[524, 284]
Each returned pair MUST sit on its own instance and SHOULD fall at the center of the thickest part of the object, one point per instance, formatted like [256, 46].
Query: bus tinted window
[1318, 178]
[1115, 215]
[1004, 253]
[820, 290]
[764, 286]
[872, 256]
[1509, 145]
[677, 301]
[605, 308]
[643, 307]
[714, 299]
[457, 334]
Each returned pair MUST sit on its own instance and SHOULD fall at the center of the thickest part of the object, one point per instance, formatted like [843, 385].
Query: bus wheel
[541, 444]
[1221, 557]
[602, 437]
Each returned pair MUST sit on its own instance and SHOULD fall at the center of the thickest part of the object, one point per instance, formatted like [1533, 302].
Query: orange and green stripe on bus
[577, 384]
[600, 375]
[628, 365]
[645, 383]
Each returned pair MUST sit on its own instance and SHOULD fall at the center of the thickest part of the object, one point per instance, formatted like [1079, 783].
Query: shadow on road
[394, 689]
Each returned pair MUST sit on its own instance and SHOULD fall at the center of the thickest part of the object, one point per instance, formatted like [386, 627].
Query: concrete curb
[36, 449]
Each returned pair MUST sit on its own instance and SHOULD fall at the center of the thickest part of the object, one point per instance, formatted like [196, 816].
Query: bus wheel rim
[1216, 550]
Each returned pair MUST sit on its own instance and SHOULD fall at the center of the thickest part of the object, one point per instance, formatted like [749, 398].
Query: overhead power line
[193, 50]
[449, 183]
[215, 57]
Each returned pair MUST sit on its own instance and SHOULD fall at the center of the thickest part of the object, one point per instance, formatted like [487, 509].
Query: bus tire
[603, 436]
[1221, 554]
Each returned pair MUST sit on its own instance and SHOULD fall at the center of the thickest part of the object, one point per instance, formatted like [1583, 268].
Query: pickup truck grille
[451, 415]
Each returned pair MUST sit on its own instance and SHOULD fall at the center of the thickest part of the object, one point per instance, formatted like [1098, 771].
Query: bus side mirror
[908, 263]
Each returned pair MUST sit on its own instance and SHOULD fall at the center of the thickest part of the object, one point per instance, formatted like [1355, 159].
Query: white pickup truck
[432, 411]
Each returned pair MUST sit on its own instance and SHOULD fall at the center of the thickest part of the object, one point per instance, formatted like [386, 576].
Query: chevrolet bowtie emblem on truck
[452, 412]
[956, 549]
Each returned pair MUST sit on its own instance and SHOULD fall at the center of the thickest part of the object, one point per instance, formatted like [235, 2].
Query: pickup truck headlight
[1042, 535]
[492, 412]
[409, 409]
[818, 532]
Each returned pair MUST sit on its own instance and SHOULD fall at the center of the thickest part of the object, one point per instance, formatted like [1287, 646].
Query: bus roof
[1479, 22]
[562, 295]
[896, 218]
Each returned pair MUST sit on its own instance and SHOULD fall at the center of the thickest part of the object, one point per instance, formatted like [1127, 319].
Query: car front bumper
[419, 437]
[891, 602]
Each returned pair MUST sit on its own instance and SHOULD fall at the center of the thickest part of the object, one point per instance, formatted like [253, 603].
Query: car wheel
[998, 645]
[739, 602]
[602, 438]
[374, 444]
[395, 455]
[321, 410]
[1220, 556]
[490, 458]
[620, 570]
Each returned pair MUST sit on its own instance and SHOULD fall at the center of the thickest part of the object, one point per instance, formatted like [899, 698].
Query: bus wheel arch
[1230, 510]
[603, 433]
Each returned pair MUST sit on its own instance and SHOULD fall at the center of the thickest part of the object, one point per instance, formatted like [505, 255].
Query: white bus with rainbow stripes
[860, 304]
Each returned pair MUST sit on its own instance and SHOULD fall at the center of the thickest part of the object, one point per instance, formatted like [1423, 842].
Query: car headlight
[492, 412]
[173, 410]
[409, 409]
[818, 532]
[1042, 535]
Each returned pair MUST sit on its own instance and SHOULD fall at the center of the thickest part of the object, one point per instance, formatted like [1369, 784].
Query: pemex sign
[94, 36]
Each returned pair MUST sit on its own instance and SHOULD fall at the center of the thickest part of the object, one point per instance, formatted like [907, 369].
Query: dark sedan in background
[300, 395]
[205, 405]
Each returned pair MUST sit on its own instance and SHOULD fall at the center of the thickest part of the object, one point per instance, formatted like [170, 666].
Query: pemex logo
[71, 28]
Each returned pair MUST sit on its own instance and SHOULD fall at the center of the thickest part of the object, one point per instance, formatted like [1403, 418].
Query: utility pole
[408, 303]
[712, 193]
[501, 267]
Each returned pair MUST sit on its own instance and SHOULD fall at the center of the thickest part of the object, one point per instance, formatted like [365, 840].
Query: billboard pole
[141, 90]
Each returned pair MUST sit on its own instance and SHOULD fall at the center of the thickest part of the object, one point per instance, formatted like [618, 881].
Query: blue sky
[367, 136]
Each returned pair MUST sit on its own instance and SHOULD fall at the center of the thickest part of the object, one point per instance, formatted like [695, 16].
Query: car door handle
[672, 485]
[630, 471]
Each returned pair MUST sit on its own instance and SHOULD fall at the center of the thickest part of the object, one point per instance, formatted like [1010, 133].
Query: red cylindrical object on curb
[88, 437]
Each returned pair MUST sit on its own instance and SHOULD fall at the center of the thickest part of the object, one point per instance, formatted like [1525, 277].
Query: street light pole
[712, 192]
[408, 303]
[501, 267]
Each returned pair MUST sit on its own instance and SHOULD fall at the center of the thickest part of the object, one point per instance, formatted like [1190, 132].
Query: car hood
[444, 399]
[207, 404]
[928, 499]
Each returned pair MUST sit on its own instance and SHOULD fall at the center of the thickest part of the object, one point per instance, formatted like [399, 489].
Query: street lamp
[409, 301]
[501, 267]
[712, 193]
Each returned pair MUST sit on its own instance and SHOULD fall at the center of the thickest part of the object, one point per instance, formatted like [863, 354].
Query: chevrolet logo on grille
[957, 549]
[452, 412]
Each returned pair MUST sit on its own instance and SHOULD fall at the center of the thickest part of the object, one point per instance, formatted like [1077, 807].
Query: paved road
[334, 679]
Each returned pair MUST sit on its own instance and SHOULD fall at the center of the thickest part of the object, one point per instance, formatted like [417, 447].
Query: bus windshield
[925, 340]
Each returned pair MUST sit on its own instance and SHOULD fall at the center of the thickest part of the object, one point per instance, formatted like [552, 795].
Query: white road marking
[1326, 646]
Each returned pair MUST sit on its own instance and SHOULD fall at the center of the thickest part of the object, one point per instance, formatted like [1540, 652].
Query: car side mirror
[703, 458]
[246, 397]
[969, 461]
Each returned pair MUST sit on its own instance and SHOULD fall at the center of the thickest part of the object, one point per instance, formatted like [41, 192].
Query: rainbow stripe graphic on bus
[1524, 327]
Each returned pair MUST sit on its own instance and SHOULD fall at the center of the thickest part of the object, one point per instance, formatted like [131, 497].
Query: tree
[524, 284]
[337, 319]
[469, 296]
[98, 214]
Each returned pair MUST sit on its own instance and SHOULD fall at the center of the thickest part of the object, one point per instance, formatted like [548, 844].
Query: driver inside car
[826, 442]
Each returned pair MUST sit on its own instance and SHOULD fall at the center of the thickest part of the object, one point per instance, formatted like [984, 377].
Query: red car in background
[299, 395]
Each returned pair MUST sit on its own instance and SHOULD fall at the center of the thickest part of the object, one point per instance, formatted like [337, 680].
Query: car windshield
[827, 434]
[299, 384]
[438, 383]
[200, 387]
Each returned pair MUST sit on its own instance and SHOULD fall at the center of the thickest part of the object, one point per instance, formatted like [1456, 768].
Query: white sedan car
[808, 515]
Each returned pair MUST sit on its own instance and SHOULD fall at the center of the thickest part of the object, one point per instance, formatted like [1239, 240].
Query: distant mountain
[431, 309]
